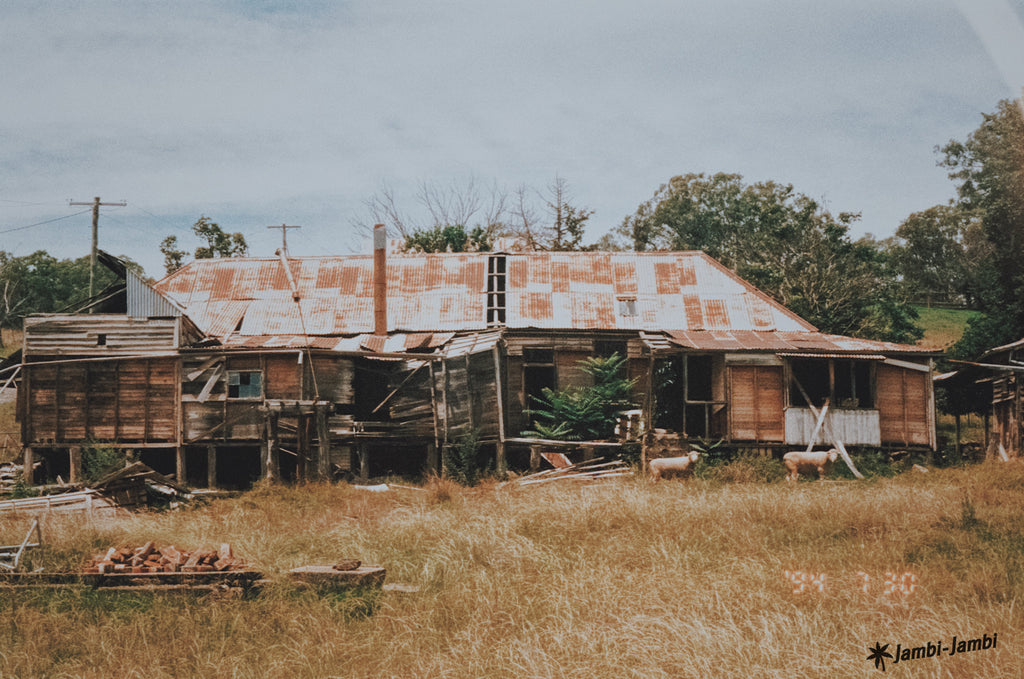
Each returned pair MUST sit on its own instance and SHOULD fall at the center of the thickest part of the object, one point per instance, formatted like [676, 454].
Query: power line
[48, 221]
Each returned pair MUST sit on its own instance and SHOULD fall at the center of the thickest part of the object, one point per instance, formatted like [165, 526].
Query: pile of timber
[149, 559]
[10, 474]
[588, 470]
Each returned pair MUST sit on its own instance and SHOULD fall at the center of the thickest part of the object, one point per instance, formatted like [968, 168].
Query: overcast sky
[259, 113]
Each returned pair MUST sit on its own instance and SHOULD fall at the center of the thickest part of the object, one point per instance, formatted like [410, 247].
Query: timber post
[323, 435]
[364, 461]
[433, 460]
[499, 452]
[179, 465]
[273, 448]
[74, 464]
[302, 433]
[211, 466]
[28, 471]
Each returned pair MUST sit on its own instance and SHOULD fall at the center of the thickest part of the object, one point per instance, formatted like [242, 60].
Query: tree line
[966, 252]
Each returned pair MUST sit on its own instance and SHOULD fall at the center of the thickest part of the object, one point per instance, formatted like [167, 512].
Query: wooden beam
[210, 383]
[29, 461]
[203, 367]
[74, 464]
[500, 462]
[273, 456]
[302, 434]
[835, 439]
[364, 461]
[211, 466]
[817, 427]
[180, 474]
[323, 435]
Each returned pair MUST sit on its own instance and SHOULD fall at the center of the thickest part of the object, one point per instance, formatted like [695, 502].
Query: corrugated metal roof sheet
[785, 342]
[706, 305]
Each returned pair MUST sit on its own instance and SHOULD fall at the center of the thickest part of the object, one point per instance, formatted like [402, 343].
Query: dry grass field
[616, 579]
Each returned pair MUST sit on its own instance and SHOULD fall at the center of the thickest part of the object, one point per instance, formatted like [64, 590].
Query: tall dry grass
[617, 579]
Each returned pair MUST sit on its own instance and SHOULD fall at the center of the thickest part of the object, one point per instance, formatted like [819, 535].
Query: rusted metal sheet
[145, 302]
[663, 291]
[787, 343]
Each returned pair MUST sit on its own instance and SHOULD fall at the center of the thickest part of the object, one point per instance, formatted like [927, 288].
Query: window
[101, 340]
[605, 348]
[853, 384]
[496, 290]
[538, 374]
[845, 383]
[627, 307]
[244, 384]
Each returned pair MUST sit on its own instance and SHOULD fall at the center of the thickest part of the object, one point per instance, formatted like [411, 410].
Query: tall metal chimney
[380, 280]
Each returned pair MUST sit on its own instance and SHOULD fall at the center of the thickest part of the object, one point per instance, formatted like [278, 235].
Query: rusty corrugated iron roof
[702, 303]
[785, 342]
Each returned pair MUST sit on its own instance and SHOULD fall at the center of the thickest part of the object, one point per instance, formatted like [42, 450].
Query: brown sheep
[798, 462]
[663, 467]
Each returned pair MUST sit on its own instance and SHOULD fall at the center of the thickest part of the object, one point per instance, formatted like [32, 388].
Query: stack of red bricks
[149, 559]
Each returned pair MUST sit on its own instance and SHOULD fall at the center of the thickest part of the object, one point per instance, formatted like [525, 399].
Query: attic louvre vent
[496, 290]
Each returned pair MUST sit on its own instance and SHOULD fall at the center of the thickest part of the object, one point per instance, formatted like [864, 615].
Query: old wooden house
[230, 369]
[994, 387]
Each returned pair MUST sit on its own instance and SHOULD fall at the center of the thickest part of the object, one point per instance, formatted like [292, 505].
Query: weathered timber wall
[756, 403]
[127, 400]
[471, 396]
[904, 403]
[98, 335]
[206, 404]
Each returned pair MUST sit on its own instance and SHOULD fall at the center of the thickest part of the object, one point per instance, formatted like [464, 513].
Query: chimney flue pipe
[380, 280]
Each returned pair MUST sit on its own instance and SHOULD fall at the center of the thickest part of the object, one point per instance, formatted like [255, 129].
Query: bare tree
[532, 220]
[440, 205]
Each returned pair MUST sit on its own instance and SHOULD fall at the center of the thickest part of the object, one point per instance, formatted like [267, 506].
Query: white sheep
[668, 466]
[799, 461]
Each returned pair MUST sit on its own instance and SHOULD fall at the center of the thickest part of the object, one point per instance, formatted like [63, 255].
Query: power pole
[284, 235]
[95, 236]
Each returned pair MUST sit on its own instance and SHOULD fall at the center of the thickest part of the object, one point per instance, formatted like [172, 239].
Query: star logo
[879, 654]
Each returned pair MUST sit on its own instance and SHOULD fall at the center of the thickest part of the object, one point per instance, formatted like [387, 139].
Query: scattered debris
[136, 484]
[401, 587]
[919, 468]
[11, 474]
[385, 487]
[327, 577]
[10, 555]
[379, 488]
[347, 565]
[149, 559]
[87, 500]
[588, 470]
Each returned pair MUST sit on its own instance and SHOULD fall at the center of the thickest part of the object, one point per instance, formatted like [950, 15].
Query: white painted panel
[853, 427]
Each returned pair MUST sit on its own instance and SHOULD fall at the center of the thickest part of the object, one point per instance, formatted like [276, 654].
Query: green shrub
[584, 413]
[744, 468]
[98, 461]
[461, 460]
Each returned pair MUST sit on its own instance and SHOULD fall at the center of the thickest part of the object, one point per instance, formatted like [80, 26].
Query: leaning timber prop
[823, 419]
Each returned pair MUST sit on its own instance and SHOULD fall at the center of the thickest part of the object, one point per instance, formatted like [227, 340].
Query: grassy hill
[942, 327]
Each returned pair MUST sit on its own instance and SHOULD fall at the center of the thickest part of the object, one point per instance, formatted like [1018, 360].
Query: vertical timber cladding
[756, 403]
[903, 405]
[128, 400]
[471, 395]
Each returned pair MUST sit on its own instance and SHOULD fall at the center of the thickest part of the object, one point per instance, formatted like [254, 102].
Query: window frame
[230, 383]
